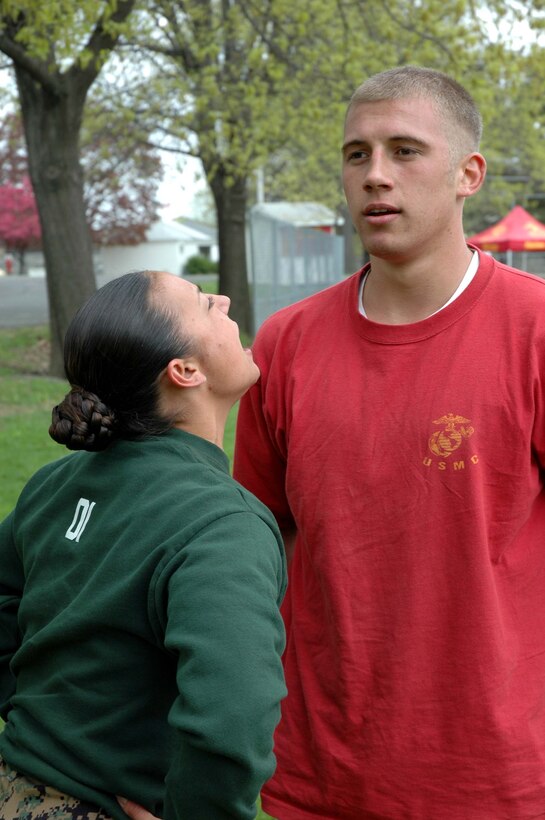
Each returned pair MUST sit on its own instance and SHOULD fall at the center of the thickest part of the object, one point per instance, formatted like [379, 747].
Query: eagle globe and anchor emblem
[454, 430]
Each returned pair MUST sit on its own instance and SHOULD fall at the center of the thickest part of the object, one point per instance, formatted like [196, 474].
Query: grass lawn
[27, 395]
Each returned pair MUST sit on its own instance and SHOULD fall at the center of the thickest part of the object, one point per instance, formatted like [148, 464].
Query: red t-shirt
[409, 458]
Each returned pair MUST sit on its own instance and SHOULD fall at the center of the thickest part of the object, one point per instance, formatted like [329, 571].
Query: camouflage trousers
[24, 799]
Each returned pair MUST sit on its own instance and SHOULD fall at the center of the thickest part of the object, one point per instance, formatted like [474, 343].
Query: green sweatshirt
[140, 635]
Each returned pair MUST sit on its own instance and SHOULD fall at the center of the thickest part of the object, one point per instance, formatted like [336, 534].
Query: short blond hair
[455, 105]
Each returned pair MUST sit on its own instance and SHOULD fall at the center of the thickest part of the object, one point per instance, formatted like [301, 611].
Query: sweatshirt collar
[201, 448]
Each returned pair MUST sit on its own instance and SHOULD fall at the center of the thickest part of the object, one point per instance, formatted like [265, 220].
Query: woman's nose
[223, 303]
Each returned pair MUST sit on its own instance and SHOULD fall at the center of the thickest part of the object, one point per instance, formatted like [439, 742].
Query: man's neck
[406, 293]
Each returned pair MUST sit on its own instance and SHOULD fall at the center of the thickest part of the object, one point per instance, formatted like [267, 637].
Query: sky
[178, 188]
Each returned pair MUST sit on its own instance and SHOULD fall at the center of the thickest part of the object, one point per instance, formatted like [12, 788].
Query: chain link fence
[287, 263]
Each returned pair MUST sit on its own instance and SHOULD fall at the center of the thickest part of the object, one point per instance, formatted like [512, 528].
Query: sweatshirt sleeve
[11, 589]
[223, 623]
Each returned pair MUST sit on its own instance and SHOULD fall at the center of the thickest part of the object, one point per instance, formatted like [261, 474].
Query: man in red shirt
[398, 435]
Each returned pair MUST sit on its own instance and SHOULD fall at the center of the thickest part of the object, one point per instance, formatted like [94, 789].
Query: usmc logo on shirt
[444, 443]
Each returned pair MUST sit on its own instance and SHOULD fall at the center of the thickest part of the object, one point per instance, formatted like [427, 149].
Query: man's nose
[377, 172]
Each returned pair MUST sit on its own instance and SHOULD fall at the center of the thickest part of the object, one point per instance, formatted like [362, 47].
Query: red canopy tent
[518, 231]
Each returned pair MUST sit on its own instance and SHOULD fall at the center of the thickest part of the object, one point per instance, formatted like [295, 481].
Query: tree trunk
[52, 124]
[230, 198]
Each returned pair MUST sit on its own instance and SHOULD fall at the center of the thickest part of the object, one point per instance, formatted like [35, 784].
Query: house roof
[175, 232]
[309, 214]
[198, 225]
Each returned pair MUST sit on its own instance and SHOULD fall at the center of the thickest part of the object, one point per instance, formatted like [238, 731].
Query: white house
[167, 247]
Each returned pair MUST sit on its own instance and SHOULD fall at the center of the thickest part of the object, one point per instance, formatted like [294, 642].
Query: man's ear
[184, 373]
[472, 174]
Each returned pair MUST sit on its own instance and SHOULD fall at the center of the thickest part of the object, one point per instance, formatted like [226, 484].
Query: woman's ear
[184, 373]
[472, 174]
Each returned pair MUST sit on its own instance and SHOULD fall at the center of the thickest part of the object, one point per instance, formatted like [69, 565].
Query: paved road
[23, 300]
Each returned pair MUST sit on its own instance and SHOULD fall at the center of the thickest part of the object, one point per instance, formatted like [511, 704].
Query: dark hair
[116, 347]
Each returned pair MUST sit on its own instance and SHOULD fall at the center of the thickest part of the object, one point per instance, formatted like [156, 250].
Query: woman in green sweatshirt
[140, 634]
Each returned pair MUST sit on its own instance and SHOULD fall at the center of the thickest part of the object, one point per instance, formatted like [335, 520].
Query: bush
[200, 264]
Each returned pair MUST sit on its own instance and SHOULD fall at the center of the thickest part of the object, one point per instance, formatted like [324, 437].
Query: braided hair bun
[117, 346]
[82, 422]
